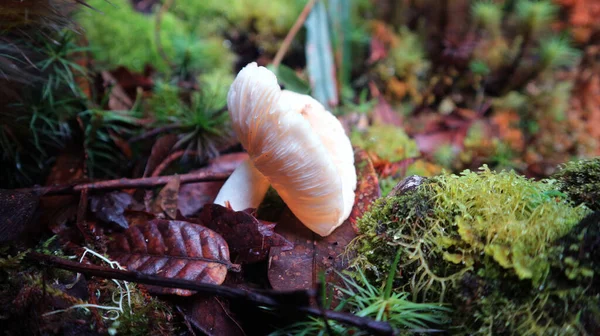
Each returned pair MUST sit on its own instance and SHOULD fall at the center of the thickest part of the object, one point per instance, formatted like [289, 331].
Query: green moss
[120, 36]
[268, 19]
[487, 243]
[386, 142]
[581, 181]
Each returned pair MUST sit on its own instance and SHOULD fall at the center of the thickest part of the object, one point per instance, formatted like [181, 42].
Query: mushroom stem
[245, 188]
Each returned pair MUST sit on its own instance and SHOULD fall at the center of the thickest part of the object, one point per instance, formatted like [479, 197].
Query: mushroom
[295, 145]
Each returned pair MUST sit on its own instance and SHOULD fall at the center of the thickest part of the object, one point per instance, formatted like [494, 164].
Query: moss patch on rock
[489, 244]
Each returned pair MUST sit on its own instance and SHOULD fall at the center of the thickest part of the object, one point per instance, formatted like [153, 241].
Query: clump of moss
[485, 242]
[385, 142]
[120, 36]
[581, 181]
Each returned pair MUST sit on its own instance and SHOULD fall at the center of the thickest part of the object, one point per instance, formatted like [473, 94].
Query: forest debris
[250, 238]
[167, 199]
[160, 150]
[211, 315]
[110, 207]
[173, 249]
[16, 211]
[290, 269]
[267, 298]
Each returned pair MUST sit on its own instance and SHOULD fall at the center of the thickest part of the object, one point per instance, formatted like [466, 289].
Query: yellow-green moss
[485, 242]
[387, 142]
[120, 36]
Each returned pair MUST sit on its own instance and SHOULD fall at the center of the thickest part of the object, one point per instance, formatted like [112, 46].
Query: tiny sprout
[535, 14]
[556, 52]
[479, 67]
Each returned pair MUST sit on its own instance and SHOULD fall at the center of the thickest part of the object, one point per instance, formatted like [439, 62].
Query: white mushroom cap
[300, 148]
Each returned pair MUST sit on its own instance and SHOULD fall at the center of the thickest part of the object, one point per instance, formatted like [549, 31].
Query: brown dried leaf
[16, 211]
[193, 196]
[110, 207]
[289, 270]
[160, 150]
[173, 249]
[167, 198]
[211, 315]
[118, 99]
[250, 238]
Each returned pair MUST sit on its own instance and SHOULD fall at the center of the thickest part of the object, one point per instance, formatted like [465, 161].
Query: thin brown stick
[149, 182]
[169, 159]
[285, 45]
[124, 183]
[281, 300]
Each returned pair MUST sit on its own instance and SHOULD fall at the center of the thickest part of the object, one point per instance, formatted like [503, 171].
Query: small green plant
[491, 244]
[364, 299]
[200, 117]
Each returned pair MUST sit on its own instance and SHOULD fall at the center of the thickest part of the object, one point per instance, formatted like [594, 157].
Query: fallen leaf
[16, 211]
[193, 196]
[160, 150]
[131, 81]
[211, 315]
[110, 207]
[118, 99]
[173, 249]
[249, 238]
[56, 211]
[367, 188]
[299, 268]
[167, 198]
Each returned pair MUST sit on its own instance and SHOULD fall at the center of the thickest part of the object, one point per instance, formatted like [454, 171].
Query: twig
[155, 131]
[270, 298]
[149, 182]
[169, 159]
[124, 183]
[285, 45]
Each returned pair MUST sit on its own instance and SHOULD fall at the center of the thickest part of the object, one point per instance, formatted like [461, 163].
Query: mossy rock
[489, 244]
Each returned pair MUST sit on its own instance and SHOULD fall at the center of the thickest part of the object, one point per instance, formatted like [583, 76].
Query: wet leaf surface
[193, 196]
[249, 238]
[300, 267]
[211, 315]
[160, 150]
[110, 207]
[16, 211]
[173, 249]
[167, 198]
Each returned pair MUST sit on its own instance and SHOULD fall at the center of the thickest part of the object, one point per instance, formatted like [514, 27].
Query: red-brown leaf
[173, 249]
[250, 238]
[211, 315]
[167, 198]
[312, 254]
[193, 196]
